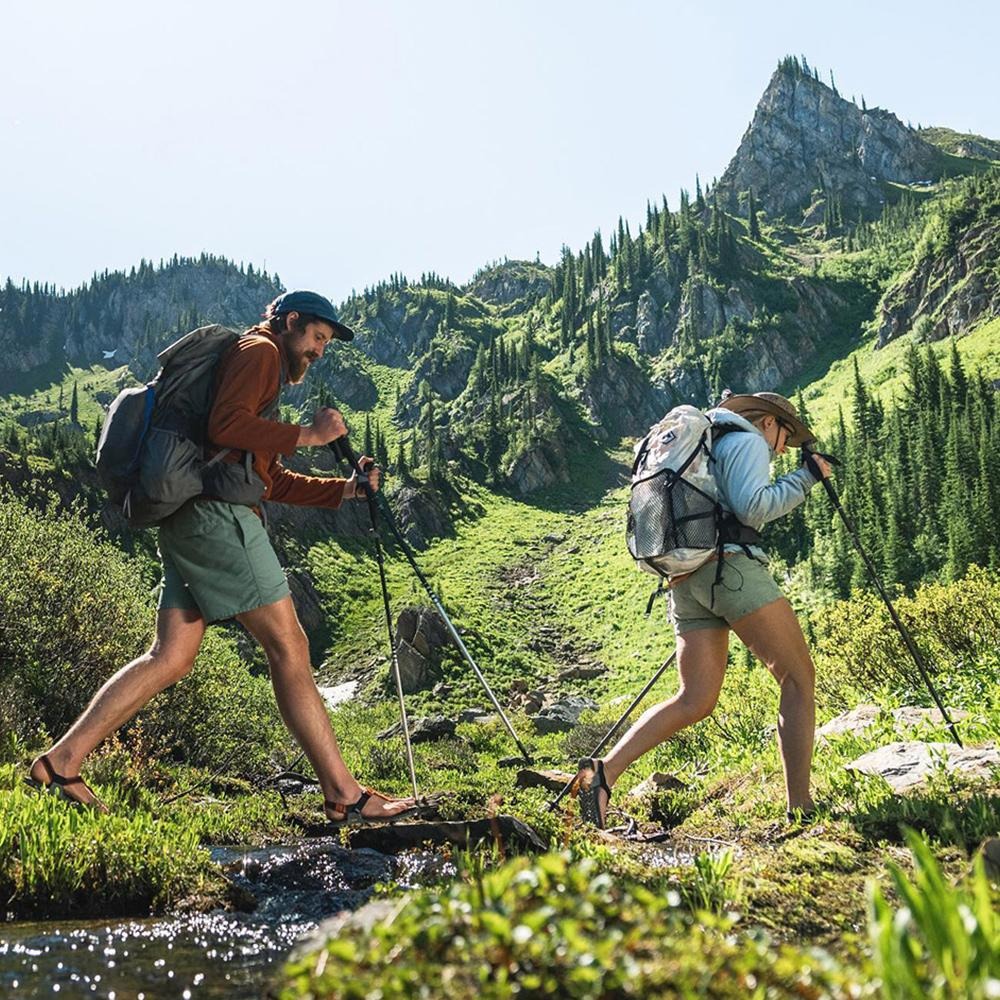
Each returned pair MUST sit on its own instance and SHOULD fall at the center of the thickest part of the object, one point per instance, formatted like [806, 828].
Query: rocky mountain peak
[805, 140]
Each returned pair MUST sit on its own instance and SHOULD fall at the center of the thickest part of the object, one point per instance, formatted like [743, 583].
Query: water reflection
[216, 954]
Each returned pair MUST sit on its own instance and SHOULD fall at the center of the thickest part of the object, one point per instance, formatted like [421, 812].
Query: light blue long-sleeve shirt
[742, 467]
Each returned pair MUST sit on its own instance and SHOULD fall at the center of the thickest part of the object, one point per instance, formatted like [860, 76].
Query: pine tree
[368, 447]
[753, 229]
[74, 408]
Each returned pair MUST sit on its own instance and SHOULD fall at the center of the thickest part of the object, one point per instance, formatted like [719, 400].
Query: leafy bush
[73, 610]
[955, 625]
[554, 927]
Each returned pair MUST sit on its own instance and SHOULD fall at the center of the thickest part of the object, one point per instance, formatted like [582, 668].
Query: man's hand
[373, 474]
[328, 425]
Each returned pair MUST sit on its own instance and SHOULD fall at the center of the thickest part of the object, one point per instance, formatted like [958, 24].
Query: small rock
[422, 730]
[856, 721]
[441, 690]
[991, 858]
[473, 715]
[555, 539]
[507, 762]
[657, 782]
[581, 672]
[573, 549]
[863, 717]
[554, 781]
[562, 716]
[910, 715]
[906, 765]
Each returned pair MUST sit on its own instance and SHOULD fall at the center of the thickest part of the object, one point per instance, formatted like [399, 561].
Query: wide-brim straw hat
[763, 403]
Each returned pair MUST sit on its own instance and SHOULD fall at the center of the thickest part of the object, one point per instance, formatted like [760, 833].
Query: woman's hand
[373, 473]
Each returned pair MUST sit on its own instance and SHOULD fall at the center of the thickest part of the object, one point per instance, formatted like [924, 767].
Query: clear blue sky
[338, 142]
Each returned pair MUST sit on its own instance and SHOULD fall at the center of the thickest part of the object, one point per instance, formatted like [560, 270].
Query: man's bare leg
[701, 663]
[276, 627]
[774, 636]
[178, 636]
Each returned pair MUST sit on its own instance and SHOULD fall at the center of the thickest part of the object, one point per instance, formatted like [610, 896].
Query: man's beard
[298, 365]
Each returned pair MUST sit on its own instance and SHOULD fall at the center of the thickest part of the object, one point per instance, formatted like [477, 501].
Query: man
[218, 562]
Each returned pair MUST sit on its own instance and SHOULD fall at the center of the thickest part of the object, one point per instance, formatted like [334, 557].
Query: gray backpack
[151, 454]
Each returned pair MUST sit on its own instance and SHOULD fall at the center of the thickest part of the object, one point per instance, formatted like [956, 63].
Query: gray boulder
[905, 766]
[423, 730]
[562, 716]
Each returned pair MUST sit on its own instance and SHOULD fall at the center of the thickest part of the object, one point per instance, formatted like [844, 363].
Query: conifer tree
[74, 408]
[367, 442]
[402, 469]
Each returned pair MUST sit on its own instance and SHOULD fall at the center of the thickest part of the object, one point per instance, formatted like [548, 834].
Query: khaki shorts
[217, 559]
[746, 586]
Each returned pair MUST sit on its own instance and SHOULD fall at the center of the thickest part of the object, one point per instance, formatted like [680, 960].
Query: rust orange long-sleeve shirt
[248, 380]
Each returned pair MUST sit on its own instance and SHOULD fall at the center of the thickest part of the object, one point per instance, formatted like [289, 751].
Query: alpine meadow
[844, 259]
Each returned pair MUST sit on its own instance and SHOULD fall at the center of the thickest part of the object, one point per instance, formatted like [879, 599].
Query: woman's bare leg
[774, 636]
[701, 663]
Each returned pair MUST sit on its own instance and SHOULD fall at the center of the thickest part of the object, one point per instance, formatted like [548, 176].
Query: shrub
[955, 625]
[55, 859]
[74, 609]
[554, 927]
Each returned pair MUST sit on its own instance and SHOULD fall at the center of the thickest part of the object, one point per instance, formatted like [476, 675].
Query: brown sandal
[58, 783]
[352, 814]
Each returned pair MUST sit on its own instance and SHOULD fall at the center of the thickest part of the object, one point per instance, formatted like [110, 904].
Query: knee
[170, 665]
[694, 708]
[801, 675]
[288, 652]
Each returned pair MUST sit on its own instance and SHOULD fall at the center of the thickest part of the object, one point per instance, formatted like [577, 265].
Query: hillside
[530, 371]
[844, 259]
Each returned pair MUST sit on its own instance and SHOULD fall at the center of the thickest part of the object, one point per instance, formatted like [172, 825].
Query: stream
[217, 954]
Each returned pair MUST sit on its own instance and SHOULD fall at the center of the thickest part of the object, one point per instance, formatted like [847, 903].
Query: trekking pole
[362, 481]
[911, 646]
[343, 450]
[614, 729]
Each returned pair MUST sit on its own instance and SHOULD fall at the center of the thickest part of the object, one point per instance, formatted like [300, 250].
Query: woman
[747, 600]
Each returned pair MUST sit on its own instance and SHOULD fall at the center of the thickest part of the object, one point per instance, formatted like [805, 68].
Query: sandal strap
[350, 807]
[58, 779]
[596, 765]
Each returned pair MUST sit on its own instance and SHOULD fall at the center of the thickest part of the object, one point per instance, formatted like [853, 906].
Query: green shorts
[746, 586]
[217, 559]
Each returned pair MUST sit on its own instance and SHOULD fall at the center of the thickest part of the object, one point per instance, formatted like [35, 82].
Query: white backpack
[674, 514]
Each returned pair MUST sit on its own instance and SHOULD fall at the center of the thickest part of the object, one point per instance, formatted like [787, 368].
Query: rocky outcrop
[906, 766]
[444, 368]
[124, 318]
[752, 336]
[421, 634]
[535, 468]
[619, 399]
[948, 291]
[805, 138]
[961, 143]
[421, 514]
[513, 285]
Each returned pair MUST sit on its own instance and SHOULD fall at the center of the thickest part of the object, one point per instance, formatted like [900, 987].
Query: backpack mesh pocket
[666, 513]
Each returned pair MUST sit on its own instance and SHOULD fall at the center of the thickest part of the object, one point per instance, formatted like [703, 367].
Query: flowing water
[231, 955]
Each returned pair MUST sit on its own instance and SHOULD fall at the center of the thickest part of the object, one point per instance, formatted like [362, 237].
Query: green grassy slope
[883, 371]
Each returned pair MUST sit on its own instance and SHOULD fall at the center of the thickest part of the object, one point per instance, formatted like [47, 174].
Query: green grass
[38, 391]
[884, 373]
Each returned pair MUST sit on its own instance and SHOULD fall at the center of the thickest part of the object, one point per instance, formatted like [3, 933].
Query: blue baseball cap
[312, 304]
